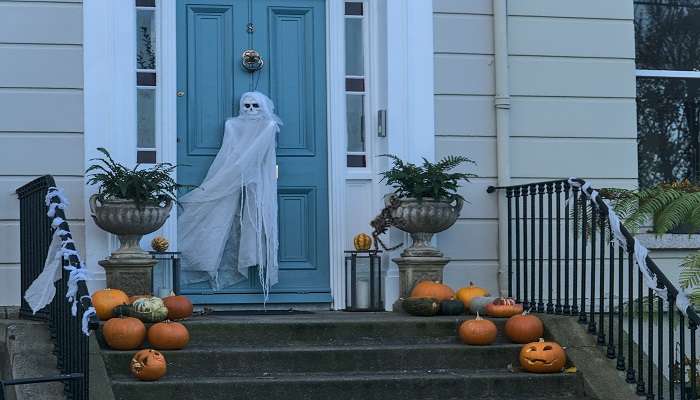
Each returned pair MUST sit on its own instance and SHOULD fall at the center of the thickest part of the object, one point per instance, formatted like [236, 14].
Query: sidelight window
[146, 81]
[356, 83]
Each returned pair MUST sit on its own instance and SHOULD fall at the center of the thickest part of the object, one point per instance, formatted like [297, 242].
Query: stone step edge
[327, 348]
[435, 374]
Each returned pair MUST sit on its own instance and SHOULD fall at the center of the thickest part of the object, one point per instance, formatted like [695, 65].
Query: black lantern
[363, 280]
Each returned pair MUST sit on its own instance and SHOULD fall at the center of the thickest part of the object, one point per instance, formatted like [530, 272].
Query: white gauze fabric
[42, 291]
[229, 223]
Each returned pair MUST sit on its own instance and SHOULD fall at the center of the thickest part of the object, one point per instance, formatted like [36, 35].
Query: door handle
[277, 171]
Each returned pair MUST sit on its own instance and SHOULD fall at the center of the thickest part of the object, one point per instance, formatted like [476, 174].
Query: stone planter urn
[422, 219]
[129, 268]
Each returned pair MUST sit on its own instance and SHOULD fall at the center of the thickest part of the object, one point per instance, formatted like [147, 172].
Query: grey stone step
[326, 329]
[224, 361]
[406, 385]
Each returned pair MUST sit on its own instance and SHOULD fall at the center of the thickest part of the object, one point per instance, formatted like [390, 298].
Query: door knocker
[251, 60]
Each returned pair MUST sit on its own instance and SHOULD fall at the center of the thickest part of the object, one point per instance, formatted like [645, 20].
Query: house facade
[530, 90]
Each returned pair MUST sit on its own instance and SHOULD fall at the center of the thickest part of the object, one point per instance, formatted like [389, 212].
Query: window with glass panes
[667, 35]
[146, 81]
[356, 83]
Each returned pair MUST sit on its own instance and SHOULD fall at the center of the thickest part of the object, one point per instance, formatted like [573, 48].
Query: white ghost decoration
[229, 223]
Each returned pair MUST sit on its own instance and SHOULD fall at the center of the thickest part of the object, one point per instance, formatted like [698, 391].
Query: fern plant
[668, 206]
[429, 180]
[145, 186]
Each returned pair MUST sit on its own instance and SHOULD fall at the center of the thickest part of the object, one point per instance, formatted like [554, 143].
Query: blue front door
[290, 36]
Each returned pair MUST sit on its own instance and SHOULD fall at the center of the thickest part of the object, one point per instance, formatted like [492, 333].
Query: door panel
[290, 35]
[210, 77]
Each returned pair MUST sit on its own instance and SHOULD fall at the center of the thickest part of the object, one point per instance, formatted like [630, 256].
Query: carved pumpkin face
[542, 357]
[503, 307]
[148, 365]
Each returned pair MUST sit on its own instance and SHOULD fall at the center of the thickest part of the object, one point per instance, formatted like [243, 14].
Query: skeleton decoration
[383, 221]
[229, 223]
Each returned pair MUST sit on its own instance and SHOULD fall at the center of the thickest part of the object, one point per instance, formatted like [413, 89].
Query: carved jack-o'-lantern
[148, 365]
[542, 357]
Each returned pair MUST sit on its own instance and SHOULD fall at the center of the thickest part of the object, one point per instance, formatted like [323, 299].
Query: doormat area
[256, 312]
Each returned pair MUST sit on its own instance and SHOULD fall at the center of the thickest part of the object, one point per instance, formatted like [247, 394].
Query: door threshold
[291, 311]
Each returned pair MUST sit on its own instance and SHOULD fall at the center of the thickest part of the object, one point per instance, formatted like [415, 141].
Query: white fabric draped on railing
[640, 252]
[42, 291]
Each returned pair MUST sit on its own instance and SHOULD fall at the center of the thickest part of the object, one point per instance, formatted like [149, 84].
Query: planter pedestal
[414, 269]
[133, 275]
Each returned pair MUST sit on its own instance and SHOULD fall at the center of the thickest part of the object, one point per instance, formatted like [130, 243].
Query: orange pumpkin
[148, 365]
[466, 294]
[542, 357]
[503, 307]
[179, 307]
[168, 335]
[436, 290]
[124, 333]
[478, 331]
[105, 300]
[524, 328]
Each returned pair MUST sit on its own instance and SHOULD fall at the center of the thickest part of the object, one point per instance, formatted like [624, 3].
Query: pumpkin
[466, 294]
[478, 304]
[149, 309]
[542, 357]
[435, 290]
[524, 328]
[105, 300]
[451, 307]
[160, 244]
[478, 331]
[148, 365]
[179, 307]
[124, 333]
[362, 242]
[503, 307]
[168, 335]
[420, 306]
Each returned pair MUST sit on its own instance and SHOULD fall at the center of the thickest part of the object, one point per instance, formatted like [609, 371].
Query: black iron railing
[71, 344]
[562, 259]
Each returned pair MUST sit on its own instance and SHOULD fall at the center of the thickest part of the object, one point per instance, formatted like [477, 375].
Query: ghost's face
[250, 106]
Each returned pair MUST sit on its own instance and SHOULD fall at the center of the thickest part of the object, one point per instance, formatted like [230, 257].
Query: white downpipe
[502, 104]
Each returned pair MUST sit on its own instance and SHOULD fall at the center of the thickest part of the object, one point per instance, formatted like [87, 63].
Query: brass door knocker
[251, 60]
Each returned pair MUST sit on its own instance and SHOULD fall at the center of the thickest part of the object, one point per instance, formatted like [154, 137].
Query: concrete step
[226, 361]
[333, 329]
[404, 385]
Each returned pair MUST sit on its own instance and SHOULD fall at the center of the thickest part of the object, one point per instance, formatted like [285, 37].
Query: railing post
[693, 360]
[516, 195]
[558, 306]
[583, 316]
[601, 294]
[526, 245]
[550, 300]
[671, 347]
[509, 195]
[631, 378]
[594, 218]
[533, 257]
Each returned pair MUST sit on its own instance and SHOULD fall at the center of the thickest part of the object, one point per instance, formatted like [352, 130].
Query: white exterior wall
[573, 113]
[41, 116]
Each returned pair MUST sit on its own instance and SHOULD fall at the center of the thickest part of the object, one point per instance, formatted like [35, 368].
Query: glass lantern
[363, 280]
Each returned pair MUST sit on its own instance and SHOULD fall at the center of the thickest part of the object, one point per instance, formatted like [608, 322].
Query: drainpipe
[502, 104]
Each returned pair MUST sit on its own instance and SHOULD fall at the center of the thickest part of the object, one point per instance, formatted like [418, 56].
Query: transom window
[667, 35]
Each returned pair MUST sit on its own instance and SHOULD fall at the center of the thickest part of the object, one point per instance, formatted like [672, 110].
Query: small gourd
[160, 244]
[503, 307]
[451, 307]
[362, 242]
[147, 309]
[421, 306]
